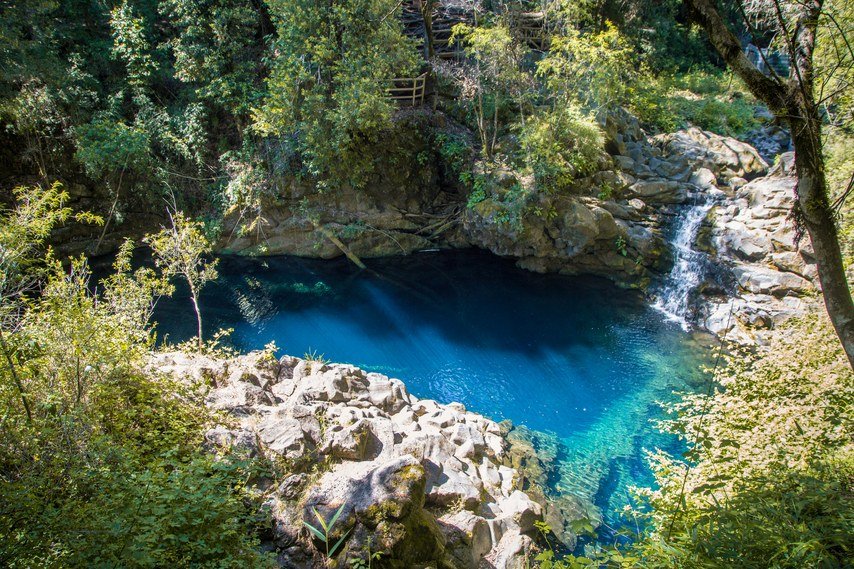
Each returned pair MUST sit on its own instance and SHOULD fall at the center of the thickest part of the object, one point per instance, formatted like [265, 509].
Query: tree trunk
[812, 193]
[195, 300]
[17, 380]
[793, 102]
[427, 16]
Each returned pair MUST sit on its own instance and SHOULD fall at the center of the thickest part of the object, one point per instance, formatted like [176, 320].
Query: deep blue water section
[574, 357]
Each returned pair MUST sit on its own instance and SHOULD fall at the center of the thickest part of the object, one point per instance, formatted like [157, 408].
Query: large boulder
[658, 191]
[385, 498]
[726, 157]
[765, 280]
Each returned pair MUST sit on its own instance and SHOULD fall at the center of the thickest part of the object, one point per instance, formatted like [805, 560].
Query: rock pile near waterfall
[753, 275]
[426, 483]
[752, 236]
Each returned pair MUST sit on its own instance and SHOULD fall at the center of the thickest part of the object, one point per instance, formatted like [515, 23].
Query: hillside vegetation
[132, 108]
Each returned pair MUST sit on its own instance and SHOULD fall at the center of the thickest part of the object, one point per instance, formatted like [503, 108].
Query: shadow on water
[575, 357]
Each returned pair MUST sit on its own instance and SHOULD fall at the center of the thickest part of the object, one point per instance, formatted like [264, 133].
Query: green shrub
[713, 101]
[594, 69]
[561, 145]
[101, 460]
[106, 145]
[456, 154]
[476, 196]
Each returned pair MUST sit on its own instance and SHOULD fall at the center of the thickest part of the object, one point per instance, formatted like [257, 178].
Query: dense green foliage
[101, 460]
[204, 101]
[330, 68]
[707, 98]
[561, 145]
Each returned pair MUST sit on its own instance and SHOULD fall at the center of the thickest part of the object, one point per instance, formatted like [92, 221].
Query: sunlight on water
[577, 358]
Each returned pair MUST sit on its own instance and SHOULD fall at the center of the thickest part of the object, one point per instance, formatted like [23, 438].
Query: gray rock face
[424, 481]
[763, 280]
[752, 234]
[574, 235]
[658, 190]
[726, 157]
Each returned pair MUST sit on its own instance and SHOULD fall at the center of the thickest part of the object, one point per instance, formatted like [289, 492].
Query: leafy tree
[218, 50]
[329, 72]
[797, 100]
[180, 250]
[22, 231]
[561, 145]
[770, 468]
[107, 145]
[100, 463]
[132, 46]
[494, 76]
[26, 42]
[595, 69]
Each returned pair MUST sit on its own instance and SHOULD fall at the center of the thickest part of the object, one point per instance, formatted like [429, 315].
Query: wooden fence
[408, 90]
[531, 29]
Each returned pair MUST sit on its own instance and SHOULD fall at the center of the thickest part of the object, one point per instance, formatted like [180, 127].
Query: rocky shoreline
[614, 223]
[430, 485]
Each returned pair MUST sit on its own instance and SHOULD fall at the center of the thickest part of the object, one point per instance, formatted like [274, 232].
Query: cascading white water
[686, 274]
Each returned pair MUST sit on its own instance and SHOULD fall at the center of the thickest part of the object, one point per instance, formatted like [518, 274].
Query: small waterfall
[687, 268]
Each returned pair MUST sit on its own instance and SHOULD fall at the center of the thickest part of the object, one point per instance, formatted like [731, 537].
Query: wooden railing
[408, 90]
[441, 21]
[530, 28]
[444, 49]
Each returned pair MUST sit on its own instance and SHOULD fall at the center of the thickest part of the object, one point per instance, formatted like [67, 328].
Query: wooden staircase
[433, 39]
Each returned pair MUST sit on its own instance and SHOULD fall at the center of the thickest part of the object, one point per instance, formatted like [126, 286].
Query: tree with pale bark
[181, 251]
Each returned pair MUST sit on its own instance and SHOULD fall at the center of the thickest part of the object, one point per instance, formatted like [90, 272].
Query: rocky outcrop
[572, 235]
[405, 207]
[426, 483]
[617, 234]
[726, 157]
[752, 236]
[757, 273]
[369, 227]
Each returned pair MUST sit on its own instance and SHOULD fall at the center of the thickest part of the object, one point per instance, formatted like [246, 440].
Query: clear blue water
[578, 358]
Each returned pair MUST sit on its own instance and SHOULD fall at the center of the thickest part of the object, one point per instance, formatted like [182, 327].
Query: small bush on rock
[561, 145]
